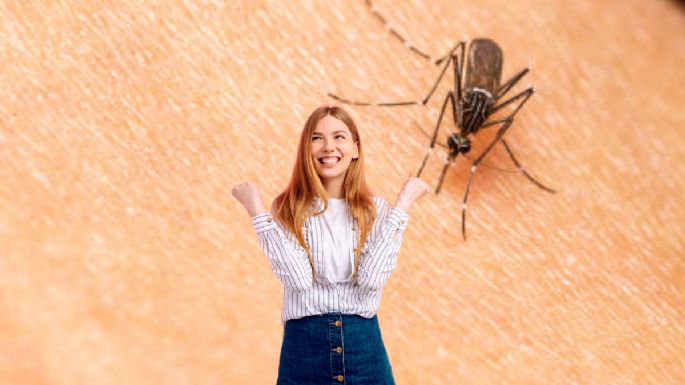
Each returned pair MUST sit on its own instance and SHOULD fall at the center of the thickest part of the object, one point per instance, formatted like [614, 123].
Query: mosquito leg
[448, 98]
[396, 104]
[392, 31]
[449, 54]
[474, 166]
[525, 94]
[429, 136]
[463, 203]
[458, 70]
[504, 88]
[495, 122]
[411, 47]
[444, 146]
[401, 38]
[455, 60]
[355, 103]
[520, 168]
[448, 161]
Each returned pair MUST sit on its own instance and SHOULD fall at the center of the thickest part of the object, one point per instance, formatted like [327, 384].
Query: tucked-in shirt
[289, 261]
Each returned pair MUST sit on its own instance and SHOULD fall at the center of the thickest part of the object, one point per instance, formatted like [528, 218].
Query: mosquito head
[458, 144]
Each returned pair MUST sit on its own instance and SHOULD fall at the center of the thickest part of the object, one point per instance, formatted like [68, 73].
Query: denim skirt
[333, 348]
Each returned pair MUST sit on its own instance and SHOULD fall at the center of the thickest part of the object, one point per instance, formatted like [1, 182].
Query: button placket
[336, 340]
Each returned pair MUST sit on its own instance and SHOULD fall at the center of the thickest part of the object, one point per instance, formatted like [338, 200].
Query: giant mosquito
[476, 97]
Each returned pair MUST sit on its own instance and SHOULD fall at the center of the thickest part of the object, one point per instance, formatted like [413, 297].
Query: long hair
[295, 204]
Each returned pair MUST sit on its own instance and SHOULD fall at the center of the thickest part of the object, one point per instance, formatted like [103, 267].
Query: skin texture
[123, 127]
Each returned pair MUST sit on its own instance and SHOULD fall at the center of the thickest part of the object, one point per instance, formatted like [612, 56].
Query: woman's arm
[379, 255]
[288, 260]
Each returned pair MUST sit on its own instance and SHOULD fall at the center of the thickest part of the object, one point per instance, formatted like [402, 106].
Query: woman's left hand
[414, 188]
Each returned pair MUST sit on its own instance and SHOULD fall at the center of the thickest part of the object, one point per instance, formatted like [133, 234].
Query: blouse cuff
[263, 222]
[398, 218]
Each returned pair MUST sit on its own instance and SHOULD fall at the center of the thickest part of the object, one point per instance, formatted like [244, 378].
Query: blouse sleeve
[288, 259]
[379, 255]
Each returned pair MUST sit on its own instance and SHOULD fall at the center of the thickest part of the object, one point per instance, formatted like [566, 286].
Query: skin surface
[123, 127]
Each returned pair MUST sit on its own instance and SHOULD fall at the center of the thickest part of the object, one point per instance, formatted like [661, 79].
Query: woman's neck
[334, 188]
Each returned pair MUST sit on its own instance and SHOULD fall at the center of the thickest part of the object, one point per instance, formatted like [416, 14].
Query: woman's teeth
[329, 160]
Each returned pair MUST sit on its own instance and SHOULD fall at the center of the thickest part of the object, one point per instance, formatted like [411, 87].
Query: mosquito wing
[483, 66]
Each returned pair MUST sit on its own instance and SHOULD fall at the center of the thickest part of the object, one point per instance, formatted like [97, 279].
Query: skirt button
[338, 323]
[340, 378]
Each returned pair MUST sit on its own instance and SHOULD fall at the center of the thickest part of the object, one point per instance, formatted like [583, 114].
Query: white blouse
[338, 257]
[289, 261]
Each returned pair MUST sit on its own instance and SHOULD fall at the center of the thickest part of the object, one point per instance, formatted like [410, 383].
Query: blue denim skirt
[333, 348]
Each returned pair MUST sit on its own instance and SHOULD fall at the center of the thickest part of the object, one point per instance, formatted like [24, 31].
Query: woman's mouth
[329, 160]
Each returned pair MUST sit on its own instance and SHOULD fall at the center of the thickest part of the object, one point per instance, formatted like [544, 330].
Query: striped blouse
[290, 263]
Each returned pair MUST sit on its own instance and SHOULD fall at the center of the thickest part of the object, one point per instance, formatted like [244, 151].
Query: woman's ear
[356, 150]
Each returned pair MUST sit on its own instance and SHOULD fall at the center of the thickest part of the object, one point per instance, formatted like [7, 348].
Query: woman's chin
[329, 174]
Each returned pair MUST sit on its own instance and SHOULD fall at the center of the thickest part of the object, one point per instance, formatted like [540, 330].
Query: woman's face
[332, 148]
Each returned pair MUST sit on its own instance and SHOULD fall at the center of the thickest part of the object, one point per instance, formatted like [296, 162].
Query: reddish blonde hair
[294, 205]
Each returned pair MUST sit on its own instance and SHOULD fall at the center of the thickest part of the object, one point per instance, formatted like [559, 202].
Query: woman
[332, 287]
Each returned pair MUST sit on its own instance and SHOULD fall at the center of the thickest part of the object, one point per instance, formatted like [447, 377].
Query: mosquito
[477, 94]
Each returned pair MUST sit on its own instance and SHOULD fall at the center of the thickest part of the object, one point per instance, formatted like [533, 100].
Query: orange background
[123, 127]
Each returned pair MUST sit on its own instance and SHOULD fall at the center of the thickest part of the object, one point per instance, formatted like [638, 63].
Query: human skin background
[123, 127]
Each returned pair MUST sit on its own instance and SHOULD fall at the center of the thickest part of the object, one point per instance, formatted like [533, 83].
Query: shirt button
[340, 378]
[338, 323]
[338, 349]
[401, 222]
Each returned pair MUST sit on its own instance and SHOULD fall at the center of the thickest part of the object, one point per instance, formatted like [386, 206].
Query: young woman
[333, 246]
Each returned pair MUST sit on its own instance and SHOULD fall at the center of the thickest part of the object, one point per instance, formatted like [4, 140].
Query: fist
[414, 188]
[247, 194]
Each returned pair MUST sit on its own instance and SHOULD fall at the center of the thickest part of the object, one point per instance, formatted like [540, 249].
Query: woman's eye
[316, 137]
[340, 136]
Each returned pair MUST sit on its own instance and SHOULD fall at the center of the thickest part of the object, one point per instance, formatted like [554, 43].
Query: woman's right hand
[248, 195]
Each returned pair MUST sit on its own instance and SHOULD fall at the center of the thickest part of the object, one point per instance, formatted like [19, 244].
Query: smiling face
[333, 149]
